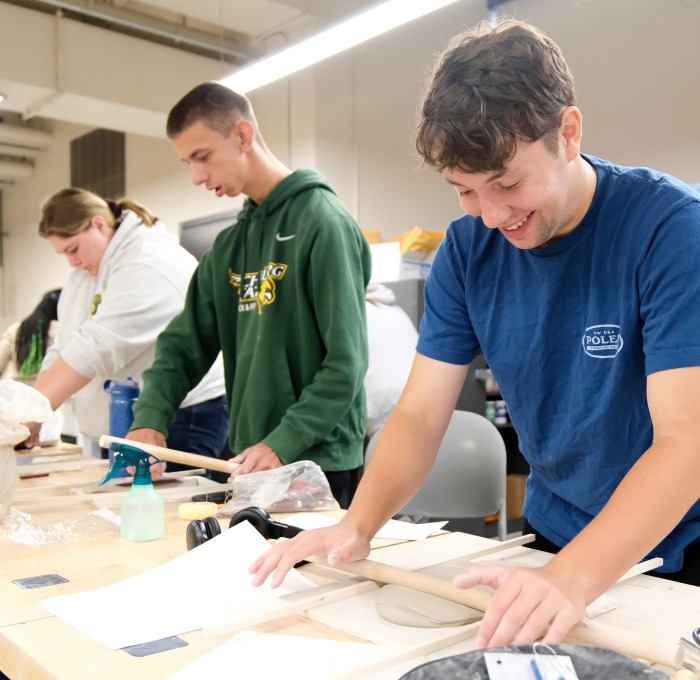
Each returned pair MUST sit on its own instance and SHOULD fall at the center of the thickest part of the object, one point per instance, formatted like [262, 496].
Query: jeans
[201, 428]
[343, 485]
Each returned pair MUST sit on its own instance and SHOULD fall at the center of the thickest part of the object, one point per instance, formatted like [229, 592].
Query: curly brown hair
[493, 87]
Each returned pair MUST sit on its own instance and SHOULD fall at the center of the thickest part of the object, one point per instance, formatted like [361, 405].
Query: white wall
[353, 118]
[156, 177]
[633, 61]
[30, 265]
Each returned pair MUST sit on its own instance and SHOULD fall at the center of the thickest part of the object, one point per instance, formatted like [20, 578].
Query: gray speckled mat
[591, 663]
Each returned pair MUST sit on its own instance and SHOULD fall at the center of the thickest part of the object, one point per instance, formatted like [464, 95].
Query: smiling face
[85, 249]
[216, 161]
[539, 196]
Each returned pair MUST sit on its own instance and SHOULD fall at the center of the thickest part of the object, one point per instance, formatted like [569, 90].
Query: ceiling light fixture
[3, 97]
[333, 40]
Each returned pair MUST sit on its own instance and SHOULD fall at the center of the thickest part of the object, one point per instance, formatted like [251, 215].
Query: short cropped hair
[215, 105]
[493, 87]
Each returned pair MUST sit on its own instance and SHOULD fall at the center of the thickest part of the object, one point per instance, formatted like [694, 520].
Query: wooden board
[60, 449]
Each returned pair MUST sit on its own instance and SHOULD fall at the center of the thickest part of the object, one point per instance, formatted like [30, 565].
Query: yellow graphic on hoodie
[258, 288]
[95, 304]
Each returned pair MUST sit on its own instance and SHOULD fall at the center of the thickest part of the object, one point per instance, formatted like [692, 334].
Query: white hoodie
[392, 341]
[108, 324]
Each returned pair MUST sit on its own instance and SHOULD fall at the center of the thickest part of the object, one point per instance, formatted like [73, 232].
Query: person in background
[280, 293]
[391, 340]
[578, 281]
[24, 344]
[129, 280]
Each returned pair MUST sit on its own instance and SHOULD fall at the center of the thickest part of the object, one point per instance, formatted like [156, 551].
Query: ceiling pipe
[24, 136]
[10, 171]
[167, 34]
[18, 151]
[36, 108]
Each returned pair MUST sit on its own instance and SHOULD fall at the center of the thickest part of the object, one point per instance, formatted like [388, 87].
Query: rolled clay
[407, 607]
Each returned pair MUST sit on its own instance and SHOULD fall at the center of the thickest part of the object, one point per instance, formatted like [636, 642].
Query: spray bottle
[142, 510]
[122, 397]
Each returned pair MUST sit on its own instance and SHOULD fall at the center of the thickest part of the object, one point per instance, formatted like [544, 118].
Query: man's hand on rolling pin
[256, 459]
[146, 435]
[341, 543]
[527, 602]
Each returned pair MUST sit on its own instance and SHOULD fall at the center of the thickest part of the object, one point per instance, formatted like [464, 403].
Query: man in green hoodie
[281, 293]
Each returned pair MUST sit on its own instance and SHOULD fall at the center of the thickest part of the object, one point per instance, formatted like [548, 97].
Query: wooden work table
[35, 645]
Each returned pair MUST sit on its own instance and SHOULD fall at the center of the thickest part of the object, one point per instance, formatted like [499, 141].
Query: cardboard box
[515, 495]
[415, 269]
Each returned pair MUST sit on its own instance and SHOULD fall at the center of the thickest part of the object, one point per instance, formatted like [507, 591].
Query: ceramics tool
[174, 456]
[31, 475]
[374, 571]
[286, 605]
[177, 478]
[43, 470]
[172, 495]
[414, 652]
[588, 632]
[212, 497]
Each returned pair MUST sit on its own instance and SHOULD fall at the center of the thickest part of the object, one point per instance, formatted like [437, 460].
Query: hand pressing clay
[407, 607]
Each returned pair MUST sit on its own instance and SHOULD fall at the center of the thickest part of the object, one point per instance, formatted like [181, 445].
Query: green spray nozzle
[126, 456]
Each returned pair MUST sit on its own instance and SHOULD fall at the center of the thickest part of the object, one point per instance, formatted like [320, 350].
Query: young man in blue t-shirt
[578, 281]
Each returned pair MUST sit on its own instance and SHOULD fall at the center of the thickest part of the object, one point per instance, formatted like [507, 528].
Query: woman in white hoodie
[129, 280]
[392, 340]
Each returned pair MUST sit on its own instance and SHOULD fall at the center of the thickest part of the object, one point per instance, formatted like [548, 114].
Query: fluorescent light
[340, 37]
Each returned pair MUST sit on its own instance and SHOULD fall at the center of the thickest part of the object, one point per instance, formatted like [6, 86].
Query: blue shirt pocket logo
[603, 341]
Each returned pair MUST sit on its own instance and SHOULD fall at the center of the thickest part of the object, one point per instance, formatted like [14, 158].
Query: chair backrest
[468, 478]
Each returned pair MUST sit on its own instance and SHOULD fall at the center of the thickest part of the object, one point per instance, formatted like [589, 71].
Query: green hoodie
[282, 294]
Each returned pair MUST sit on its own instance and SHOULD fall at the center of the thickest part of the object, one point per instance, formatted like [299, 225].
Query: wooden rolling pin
[631, 644]
[384, 573]
[685, 674]
[174, 456]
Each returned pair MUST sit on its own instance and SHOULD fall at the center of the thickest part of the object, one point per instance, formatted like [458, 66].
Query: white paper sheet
[404, 531]
[248, 655]
[176, 597]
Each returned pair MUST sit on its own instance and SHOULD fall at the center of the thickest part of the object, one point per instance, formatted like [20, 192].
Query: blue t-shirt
[571, 331]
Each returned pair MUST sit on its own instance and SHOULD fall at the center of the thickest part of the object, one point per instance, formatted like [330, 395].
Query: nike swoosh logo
[284, 238]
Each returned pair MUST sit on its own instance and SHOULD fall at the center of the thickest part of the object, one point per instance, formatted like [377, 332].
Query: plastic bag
[291, 488]
[9, 477]
[22, 528]
[19, 403]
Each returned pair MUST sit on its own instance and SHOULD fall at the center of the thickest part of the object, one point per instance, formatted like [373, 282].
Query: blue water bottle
[123, 394]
